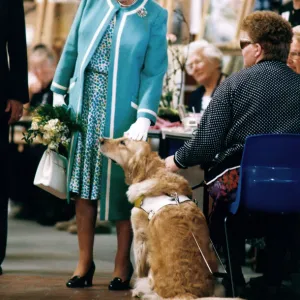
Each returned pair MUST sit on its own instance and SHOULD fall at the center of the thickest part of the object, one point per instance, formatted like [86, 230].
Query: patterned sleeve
[209, 138]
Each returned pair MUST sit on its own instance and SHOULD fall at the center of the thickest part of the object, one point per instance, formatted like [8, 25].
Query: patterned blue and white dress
[86, 173]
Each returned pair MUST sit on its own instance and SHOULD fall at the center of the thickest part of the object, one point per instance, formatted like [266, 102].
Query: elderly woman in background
[294, 55]
[204, 63]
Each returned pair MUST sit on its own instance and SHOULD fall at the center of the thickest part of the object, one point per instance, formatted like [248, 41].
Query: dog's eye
[122, 143]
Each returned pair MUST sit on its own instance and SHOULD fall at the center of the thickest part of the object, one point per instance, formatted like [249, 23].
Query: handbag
[51, 174]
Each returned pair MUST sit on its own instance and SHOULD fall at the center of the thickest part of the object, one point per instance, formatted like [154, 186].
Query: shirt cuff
[177, 163]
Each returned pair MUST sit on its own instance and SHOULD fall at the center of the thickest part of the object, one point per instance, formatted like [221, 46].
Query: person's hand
[58, 100]
[170, 164]
[15, 108]
[138, 130]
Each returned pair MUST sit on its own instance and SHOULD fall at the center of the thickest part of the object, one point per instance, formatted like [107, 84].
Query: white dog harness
[151, 205]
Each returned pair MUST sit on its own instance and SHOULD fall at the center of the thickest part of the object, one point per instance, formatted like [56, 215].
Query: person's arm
[66, 65]
[155, 67]
[17, 53]
[209, 138]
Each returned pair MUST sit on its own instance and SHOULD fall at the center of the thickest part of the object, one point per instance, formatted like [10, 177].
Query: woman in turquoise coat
[111, 70]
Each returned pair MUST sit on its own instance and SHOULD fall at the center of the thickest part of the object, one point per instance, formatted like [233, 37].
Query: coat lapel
[100, 20]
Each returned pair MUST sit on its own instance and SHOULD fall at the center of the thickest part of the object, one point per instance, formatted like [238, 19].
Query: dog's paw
[141, 288]
[139, 189]
[133, 192]
[136, 293]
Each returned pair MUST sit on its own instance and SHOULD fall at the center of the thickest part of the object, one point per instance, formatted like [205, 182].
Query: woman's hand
[139, 130]
[170, 164]
[58, 100]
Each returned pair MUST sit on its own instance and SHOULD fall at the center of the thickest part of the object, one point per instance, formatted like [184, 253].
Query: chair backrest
[270, 174]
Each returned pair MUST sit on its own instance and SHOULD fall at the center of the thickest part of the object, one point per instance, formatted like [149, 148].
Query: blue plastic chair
[269, 178]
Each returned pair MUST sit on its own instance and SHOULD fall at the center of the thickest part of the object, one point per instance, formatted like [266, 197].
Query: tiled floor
[38, 287]
[40, 260]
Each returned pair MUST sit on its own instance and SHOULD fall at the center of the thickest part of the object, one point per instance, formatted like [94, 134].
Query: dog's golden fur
[164, 247]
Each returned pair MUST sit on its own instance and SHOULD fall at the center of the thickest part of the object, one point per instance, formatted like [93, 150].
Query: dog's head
[132, 156]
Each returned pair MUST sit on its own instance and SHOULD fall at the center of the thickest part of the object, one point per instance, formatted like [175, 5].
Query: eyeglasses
[190, 67]
[245, 43]
[294, 55]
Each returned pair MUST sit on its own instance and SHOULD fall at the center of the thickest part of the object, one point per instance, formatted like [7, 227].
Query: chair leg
[228, 257]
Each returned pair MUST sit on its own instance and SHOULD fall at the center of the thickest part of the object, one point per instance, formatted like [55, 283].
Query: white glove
[138, 130]
[58, 100]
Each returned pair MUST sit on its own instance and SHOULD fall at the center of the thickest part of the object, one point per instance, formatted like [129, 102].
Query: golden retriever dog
[169, 264]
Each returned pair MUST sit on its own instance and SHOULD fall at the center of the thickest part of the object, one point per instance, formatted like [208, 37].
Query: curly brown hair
[271, 31]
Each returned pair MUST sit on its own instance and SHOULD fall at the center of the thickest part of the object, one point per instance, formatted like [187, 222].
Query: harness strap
[202, 255]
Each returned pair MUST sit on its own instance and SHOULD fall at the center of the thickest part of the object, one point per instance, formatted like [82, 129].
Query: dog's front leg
[139, 189]
[139, 220]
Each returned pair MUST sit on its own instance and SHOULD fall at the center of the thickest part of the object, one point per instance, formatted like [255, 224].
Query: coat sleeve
[209, 138]
[67, 62]
[155, 67]
[17, 53]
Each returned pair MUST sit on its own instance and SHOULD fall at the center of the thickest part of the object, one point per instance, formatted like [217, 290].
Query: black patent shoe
[1, 272]
[82, 281]
[117, 284]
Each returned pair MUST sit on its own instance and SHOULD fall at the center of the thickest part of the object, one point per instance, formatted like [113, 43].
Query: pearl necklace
[127, 5]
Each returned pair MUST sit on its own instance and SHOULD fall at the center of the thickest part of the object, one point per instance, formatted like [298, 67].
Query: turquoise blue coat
[138, 62]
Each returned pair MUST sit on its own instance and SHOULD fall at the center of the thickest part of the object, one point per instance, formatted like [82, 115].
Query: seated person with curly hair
[263, 98]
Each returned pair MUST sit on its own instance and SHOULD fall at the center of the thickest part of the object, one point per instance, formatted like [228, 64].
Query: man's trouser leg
[4, 164]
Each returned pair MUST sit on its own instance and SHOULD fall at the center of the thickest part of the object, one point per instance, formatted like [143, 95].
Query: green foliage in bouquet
[52, 126]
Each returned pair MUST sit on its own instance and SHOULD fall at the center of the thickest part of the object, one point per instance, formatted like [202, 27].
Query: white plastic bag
[51, 174]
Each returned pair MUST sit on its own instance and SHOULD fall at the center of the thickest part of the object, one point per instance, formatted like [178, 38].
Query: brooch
[142, 12]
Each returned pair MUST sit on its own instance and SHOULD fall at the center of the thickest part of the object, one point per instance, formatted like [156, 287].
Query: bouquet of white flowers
[53, 127]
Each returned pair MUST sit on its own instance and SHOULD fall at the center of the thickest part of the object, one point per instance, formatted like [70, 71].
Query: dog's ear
[136, 167]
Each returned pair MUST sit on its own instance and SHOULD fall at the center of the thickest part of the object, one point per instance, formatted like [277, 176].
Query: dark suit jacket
[13, 53]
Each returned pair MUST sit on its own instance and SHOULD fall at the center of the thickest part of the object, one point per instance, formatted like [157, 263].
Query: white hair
[206, 49]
